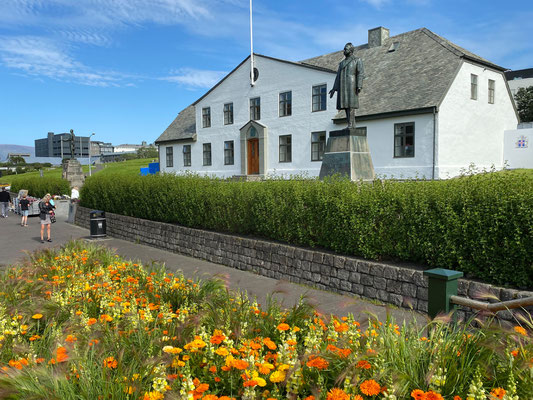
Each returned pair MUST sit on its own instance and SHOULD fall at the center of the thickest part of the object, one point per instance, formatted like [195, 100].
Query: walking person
[5, 199]
[46, 211]
[24, 210]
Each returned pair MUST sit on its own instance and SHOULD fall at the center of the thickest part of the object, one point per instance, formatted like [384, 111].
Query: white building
[429, 108]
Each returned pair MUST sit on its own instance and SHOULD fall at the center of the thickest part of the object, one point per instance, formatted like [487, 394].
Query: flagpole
[251, 49]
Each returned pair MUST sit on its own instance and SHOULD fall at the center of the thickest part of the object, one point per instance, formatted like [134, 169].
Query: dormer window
[394, 46]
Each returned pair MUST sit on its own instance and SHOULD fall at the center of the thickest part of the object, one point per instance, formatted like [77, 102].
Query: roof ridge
[443, 42]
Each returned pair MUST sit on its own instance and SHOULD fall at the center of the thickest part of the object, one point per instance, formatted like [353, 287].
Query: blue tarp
[144, 171]
[153, 167]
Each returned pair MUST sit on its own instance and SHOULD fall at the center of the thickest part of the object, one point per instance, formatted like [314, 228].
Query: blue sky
[125, 68]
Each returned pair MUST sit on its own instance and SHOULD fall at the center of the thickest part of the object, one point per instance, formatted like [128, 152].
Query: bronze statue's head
[71, 131]
[349, 49]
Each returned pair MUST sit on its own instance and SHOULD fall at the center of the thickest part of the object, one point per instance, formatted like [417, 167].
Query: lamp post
[90, 172]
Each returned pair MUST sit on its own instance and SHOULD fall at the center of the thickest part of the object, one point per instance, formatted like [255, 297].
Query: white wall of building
[471, 131]
[518, 148]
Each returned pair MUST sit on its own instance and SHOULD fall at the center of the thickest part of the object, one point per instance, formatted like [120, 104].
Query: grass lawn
[121, 168]
[83, 323]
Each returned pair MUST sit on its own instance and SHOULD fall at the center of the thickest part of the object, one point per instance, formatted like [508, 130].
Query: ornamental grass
[82, 323]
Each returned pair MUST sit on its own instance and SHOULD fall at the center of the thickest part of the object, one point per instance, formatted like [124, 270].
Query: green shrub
[481, 224]
[38, 187]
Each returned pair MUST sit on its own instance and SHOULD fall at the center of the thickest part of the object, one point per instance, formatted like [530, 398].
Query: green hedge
[481, 224]
[39, 187]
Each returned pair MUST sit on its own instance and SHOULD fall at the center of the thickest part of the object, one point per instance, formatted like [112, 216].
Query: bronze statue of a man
[348, 84]
[72, 145]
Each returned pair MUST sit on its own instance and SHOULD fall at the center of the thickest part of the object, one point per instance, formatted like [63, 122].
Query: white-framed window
[228, 113]
[170, 156]
[285, 104]
[206, 117]
[473, 87]
[187, 155]
[319, 97]
[492, 89]
[318, 145]
[255, 109]
[228, 152]
[207, 153]
[285, 148]
[404, 140]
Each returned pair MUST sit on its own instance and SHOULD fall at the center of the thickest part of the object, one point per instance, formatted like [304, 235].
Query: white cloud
[41, 57]
[195, 78]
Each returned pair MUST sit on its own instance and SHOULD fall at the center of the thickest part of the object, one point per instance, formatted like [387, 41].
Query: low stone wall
[400, 286]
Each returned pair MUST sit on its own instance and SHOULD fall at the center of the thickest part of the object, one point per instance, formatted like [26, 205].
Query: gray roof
[519, 74]
[182, 128]
[415, 76]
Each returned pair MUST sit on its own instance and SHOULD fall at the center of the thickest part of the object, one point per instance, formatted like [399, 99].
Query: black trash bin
[98, 223]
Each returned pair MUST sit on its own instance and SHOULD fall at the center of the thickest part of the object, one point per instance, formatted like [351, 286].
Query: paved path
[17, 241]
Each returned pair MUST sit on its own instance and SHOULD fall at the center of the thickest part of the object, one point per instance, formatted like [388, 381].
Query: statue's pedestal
[73, 173]
[347, 154]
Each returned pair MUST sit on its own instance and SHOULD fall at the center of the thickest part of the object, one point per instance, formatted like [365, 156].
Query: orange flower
[269, 343]
[514, 353]
[110, 362]
[210, 397]
[363, 364]
[337, 394]
[418, 394]
[317, 362]
[37, 316]
[340, 327]
[357, 397]
[498, 393]
[91, 321]
[105, 317]
[370, 387]
[213, 369]
[70, 338]
[310, 397]
[520, 330]
[283, 327]
[239, 364]
[433, 396]
[217, 337]
[61, 355]
[457, 398]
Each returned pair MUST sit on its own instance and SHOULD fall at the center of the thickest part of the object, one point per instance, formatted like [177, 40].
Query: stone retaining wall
[400, 286]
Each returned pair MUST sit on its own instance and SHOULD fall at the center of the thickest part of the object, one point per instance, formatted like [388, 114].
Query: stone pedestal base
[73, 173]
[347, 154]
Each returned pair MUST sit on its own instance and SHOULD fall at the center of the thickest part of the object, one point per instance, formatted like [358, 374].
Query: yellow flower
[37, 316]
[520, 330]
[277, 376]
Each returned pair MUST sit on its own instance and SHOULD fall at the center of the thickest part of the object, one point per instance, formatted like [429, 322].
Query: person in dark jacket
[46, 211]
[5, 199]
[24, 210]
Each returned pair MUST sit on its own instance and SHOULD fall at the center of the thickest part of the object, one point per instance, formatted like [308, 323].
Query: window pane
[404, 140]
[319, 97]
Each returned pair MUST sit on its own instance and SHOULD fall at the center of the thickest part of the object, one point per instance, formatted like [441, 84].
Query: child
[24, 210]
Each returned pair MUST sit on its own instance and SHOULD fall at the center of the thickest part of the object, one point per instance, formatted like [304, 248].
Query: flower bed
[82, 323]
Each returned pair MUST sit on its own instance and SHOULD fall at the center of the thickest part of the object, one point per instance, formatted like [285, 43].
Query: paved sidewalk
[16, 241]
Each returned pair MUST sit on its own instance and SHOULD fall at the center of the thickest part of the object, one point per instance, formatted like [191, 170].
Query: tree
[147, 152]
[16, 160]
[524, 103]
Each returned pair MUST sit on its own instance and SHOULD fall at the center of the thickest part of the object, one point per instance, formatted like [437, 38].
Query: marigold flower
[498, 392]
[218, 337]
[277, 376]
[269, 343]
[110, 362]
[239, 364]
[457, 398]
[91, 321]
[433, 396]
[310, 397]
[370, 387]
[37, 316]
[210, 397]
[337, 394]
[520, 330]
[363, 364]
[317, 362]
[340, 327]
[418, 394]
[283, 327]
[61, 354]
[71, 338]
[514, 353]
[357, 397]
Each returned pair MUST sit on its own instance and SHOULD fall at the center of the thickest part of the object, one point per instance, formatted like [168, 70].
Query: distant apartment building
[59, 146]
[99, 148]
[128, 148]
